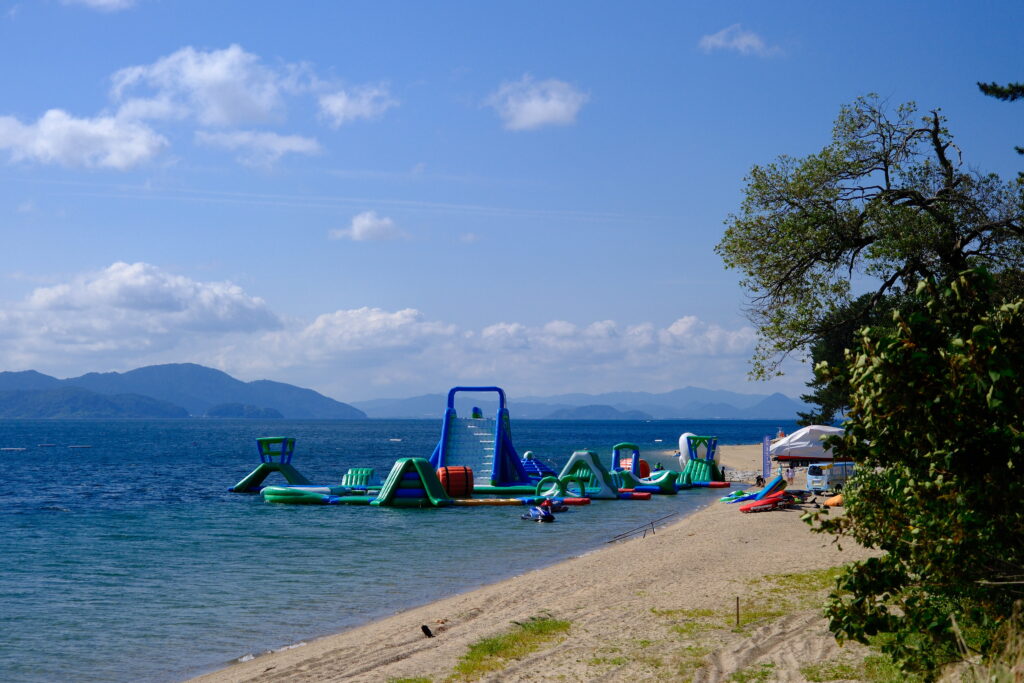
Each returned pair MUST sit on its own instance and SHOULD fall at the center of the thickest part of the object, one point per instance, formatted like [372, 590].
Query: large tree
[887, 204]
[831, 395]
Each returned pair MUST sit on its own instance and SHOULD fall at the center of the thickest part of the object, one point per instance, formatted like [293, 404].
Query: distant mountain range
[175, 390]
[185, 389]
[690, 403]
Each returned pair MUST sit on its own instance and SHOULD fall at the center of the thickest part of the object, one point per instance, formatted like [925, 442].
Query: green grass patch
[653, 661]
[690, 658]
[881, 669]
[608, 661]
[692, 628]
[833, 669]
[760, 672]
[874, 668]
[805, 582]
[494, 654]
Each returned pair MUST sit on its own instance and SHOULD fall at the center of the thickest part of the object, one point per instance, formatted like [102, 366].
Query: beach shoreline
[623, 602]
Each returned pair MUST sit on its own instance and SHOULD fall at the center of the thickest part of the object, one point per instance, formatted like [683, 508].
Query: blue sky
[382, 199]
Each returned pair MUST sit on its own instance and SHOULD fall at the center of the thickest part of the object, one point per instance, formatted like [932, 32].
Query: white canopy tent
[804, 444]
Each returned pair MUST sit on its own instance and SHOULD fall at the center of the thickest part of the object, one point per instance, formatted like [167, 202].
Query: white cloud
[126, 315]
[736, 39]
[363, 102]
[103, 5]
[129, 315]
[259, 148]
[59, 138]
[526, 105]
[365, 328]
[143, 296]
[367, 227]
[218, 87]
[223, 89]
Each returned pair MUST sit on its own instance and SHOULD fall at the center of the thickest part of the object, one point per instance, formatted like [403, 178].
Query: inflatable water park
[476, 464]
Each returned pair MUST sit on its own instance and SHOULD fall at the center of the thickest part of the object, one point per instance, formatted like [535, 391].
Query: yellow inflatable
[834, 501]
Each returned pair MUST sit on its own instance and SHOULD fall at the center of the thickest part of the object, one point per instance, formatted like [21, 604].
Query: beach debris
[426, 631]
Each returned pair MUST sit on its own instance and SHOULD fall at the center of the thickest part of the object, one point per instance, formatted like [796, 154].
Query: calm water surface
[130, 561]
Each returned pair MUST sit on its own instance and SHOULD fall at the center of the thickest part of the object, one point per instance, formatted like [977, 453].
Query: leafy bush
[935, 427]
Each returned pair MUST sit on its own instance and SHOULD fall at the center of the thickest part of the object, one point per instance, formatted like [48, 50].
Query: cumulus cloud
[142, 296]
[527, 105]
[368, 227]
[363, 102]
[102, 142]
[736, 39]
[127, 315]
[259, 148]
[103, 5]
[219, 87]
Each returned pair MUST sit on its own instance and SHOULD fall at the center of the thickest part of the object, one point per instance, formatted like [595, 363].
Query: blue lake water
[130, 561]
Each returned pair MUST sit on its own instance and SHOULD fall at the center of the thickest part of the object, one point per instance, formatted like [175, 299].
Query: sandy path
[660, 607]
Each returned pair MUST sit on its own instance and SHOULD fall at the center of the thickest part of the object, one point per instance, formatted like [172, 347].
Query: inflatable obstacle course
[485, 446]
[275, 456]
[536, 468]
[702, 460]
[588, 476]
[636, 474]
[412, 482]
[355, 489]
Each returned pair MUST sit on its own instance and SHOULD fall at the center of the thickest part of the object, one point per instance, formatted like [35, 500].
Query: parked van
[826, 476]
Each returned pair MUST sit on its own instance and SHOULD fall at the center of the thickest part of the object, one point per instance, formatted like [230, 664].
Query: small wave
[250, 656]
[54, 508]
[289, 647]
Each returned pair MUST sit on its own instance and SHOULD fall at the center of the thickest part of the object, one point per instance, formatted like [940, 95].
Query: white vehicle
[825, 476]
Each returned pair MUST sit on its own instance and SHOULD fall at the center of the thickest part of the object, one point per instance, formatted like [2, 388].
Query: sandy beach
[660, 607]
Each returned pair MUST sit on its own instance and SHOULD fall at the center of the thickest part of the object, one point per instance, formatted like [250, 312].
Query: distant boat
[394, 439]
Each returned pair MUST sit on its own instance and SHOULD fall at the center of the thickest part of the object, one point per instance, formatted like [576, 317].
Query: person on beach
[790, 475]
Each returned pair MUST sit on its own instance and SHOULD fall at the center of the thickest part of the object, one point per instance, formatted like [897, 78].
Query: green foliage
[935, 427]
[839, 333]
[493, 654]
[887, 201]
[1008, 93]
